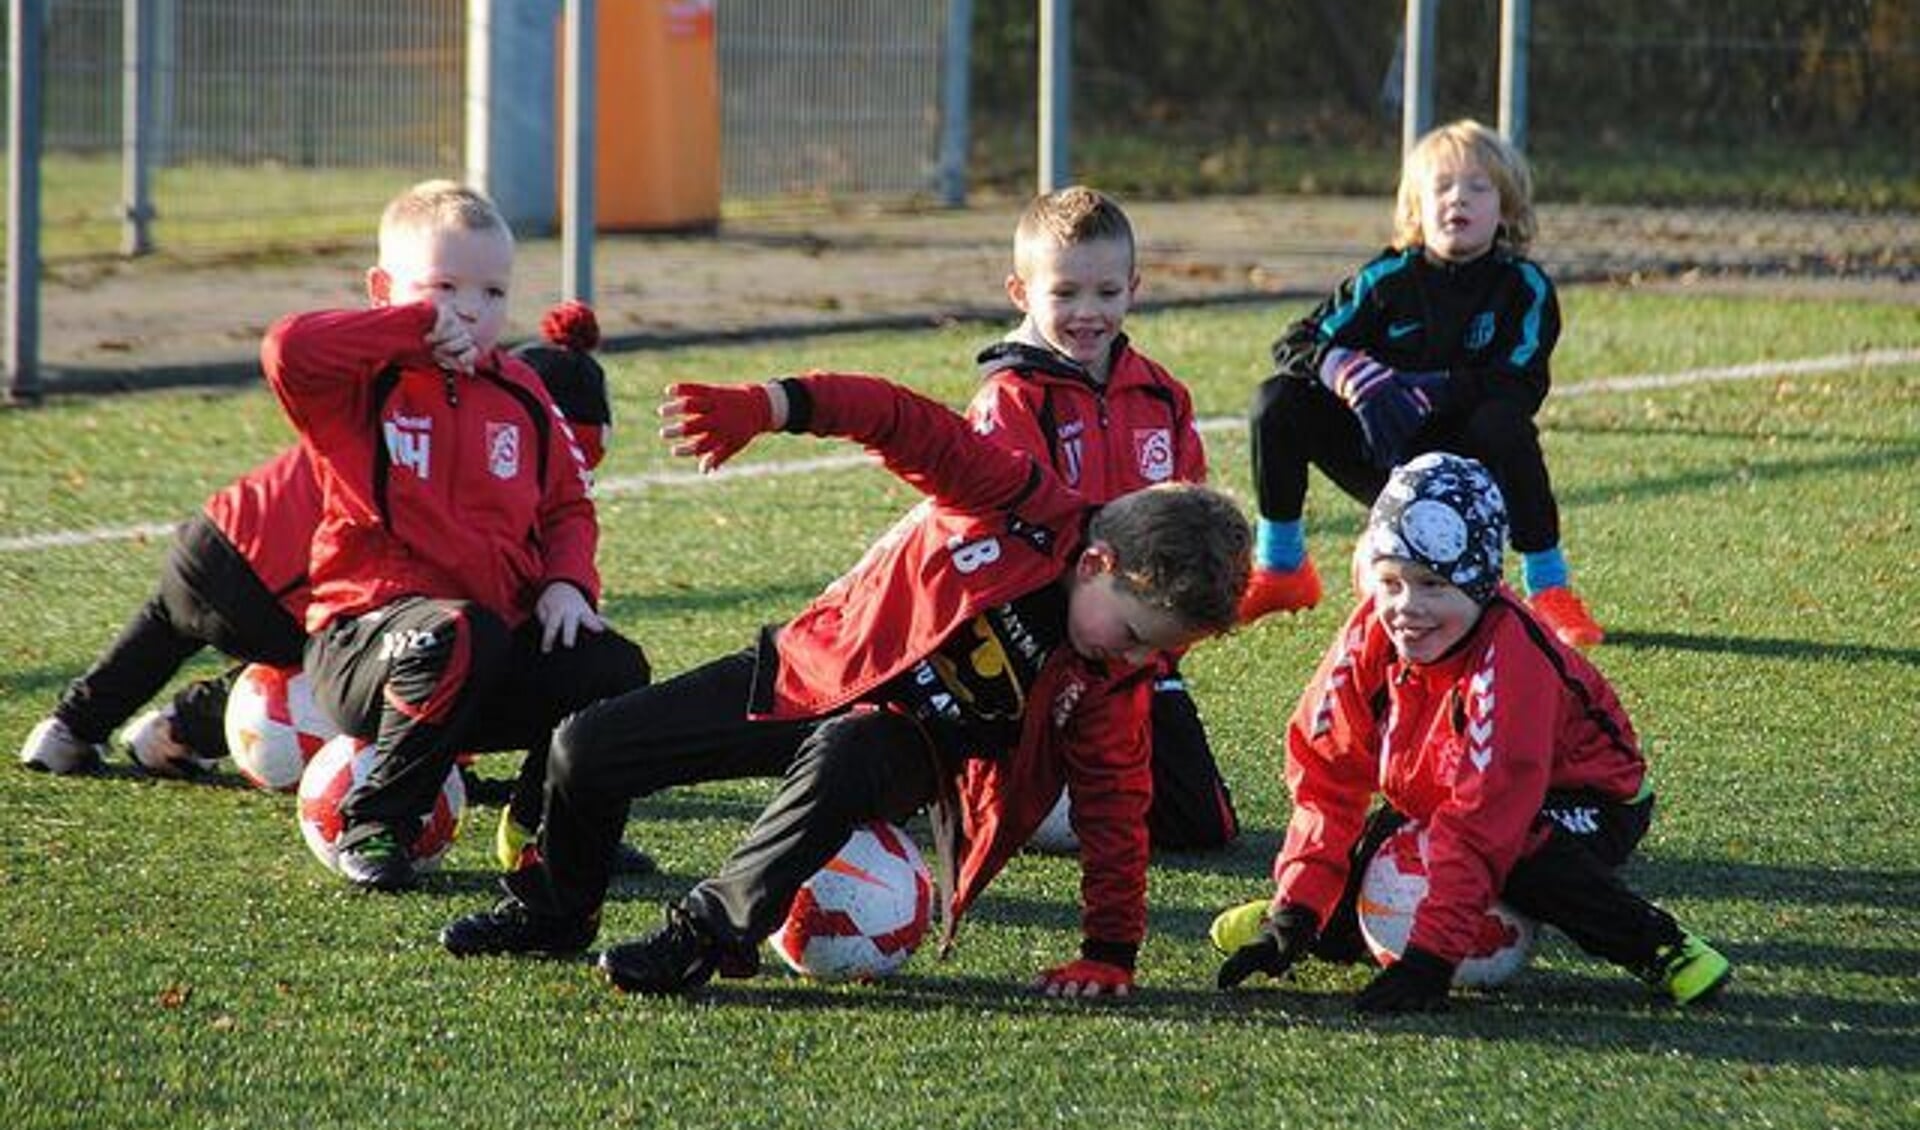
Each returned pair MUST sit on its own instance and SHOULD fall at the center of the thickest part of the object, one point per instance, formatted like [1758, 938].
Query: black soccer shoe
[512, 927]
[379, 863]
[677, 958]
[631, 862]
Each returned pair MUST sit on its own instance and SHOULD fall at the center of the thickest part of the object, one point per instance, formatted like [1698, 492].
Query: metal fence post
[1416, 101]
[26, 59]
[1056, 84]
[510, 111]
[576, 229]
[1516, 28]
[136, 128]
[956, 58]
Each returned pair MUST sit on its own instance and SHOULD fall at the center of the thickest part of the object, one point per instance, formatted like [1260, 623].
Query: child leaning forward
[1444, 694]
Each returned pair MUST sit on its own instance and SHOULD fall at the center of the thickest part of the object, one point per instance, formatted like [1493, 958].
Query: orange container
[658, 116]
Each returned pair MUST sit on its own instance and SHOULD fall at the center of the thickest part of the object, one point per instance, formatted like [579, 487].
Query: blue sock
[1279, 547]
[1545, 569]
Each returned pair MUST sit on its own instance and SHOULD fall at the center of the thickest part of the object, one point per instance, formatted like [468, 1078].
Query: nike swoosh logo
[1398, 330]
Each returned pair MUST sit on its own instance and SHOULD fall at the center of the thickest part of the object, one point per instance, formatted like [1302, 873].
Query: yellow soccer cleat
[511, 842]
[1237, 926]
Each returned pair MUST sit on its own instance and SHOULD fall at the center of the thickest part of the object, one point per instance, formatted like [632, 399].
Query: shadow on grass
[118, 767]
[1763, 647]
[1575, 1012]
[1665, 877]
[1659, 486]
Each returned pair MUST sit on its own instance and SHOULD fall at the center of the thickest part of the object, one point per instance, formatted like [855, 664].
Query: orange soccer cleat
[1272, 590]
[1566, 616]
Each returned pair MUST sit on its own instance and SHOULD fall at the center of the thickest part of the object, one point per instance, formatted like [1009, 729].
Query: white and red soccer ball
[862, 915]
[1055, 835]
[273, 726]
[1390, 893]
[340, 765]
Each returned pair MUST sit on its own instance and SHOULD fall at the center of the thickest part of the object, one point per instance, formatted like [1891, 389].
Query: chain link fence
[286, 126]
[1769, 137]
[829, 98]
[272, 125]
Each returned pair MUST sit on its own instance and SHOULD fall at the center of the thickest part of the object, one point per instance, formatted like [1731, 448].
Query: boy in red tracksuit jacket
[987, 649]
[236, 581]
[1443, 694]
[1070, 388]
[453, 568]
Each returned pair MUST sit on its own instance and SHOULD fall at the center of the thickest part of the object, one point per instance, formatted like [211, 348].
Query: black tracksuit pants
[1296, 422]
[836, 773]
[1192, 809]
[427, 680]
[1570, 883]
[208, 596]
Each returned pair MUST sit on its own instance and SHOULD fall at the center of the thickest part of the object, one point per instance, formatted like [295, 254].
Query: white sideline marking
[633, 484]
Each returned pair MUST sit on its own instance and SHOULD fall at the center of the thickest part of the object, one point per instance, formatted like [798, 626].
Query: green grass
[173, 957]
[254, 210]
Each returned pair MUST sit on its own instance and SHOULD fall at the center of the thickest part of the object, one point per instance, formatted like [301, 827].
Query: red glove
[713, 422]
[1085, 978]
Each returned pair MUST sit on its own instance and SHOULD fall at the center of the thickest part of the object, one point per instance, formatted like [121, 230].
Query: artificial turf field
[174, 957]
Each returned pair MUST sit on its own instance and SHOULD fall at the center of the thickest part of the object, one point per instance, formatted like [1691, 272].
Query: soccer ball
[1396, 882]
[273, 725]
[862, 915]
[342, 763]
[1055, 835]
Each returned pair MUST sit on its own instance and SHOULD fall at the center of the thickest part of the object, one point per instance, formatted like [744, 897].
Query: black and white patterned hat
[1445, 512]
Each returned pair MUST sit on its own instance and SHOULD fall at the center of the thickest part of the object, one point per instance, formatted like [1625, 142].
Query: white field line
[634, 484]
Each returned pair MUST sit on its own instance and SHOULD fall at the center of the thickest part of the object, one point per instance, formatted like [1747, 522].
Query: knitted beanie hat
[1445, 512]
[564, 361]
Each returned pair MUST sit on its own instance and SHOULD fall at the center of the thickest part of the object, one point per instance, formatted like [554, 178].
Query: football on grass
[342, 763]
[273, 725]
[862, 915]
[1394, 885]
[1055, 835]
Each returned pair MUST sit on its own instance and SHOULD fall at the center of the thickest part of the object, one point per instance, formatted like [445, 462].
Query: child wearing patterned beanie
[1444, 695]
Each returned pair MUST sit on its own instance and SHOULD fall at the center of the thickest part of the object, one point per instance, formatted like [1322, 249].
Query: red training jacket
[1469, 746]
[1105, 441]
[997, 524]
[453, 487]
[269, 515]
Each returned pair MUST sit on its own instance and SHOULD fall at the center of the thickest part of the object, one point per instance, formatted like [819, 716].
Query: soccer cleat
[512, 927]
[379, 863]
[155, 746]
[1690, 971]
[1564, 614]
[1272, 590]
[676, 958]
[1237, 926]
[53, 748]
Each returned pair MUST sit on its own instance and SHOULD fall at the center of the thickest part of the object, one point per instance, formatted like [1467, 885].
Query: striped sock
[1544, 569]
[1279, 547]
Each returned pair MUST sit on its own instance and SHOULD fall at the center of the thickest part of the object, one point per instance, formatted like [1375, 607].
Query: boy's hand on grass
[1418, 982]
[563, 612]
[714, 422]
[1085, 977]
[1284, 939]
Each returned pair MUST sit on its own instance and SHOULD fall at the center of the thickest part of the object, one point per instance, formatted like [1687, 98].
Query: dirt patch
[114, 323]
